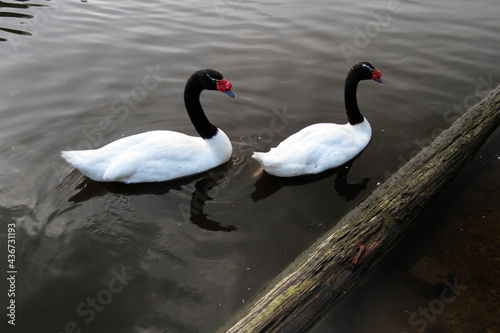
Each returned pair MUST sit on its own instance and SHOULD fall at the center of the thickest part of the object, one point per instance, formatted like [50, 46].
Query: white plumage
[151, 157]
[316, 148]
[162, 155]
[319, 147]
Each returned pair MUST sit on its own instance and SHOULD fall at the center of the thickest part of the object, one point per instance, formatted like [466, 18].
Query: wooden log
[301, 294]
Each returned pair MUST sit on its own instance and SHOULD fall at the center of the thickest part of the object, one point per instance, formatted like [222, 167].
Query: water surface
[189, 253]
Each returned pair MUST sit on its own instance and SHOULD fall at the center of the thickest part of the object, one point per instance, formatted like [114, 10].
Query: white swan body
[319, 147]
[162, 155]
[315, 149]
[151, 157]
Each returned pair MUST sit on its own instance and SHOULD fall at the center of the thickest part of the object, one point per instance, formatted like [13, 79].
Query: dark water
[443, 276]
[182, 256]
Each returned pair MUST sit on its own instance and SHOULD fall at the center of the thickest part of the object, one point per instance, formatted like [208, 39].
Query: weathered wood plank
[329, 268]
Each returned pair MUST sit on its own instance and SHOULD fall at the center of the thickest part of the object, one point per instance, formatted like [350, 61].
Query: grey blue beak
[230, 93]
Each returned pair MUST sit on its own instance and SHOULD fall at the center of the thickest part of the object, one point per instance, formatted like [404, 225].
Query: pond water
[443, 276]
[183, 256]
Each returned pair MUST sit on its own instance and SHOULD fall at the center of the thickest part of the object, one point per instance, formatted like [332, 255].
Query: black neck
[192, 101]
[351, 104]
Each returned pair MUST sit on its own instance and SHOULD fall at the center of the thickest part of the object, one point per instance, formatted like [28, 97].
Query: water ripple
[13, 16]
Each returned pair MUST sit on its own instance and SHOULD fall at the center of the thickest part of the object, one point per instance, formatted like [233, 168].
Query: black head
[366, 71]
[212, 80]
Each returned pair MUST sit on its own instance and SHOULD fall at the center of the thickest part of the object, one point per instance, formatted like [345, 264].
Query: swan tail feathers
[266, 162]
[79, 159]
[72, 157]
[259, 157]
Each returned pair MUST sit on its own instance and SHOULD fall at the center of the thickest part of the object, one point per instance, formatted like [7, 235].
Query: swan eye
[211, 78]
[371, 69]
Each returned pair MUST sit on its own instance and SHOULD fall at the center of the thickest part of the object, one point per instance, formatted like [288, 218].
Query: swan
[324, 146]
[162, 155]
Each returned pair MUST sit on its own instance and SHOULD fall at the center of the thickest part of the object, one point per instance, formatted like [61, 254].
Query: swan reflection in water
[199, 198]
[212, 181]
[267, 184]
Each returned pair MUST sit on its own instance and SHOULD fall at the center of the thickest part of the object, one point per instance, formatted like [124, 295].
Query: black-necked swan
[162, 155]
[324, 146]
